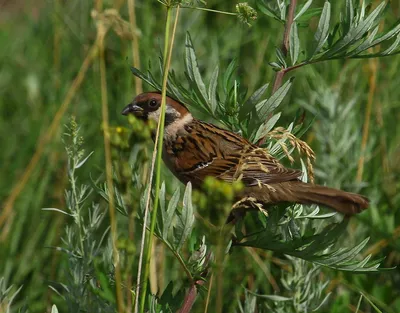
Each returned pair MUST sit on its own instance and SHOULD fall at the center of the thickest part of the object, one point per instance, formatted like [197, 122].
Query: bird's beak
[132, 108]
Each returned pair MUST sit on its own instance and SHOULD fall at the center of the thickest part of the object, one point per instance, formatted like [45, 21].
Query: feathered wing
[228, 157]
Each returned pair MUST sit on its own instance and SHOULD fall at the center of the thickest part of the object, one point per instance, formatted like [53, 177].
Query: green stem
[209, 10]
[160, 131]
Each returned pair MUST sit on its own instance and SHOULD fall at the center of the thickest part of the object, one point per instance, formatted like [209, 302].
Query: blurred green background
[43, 46]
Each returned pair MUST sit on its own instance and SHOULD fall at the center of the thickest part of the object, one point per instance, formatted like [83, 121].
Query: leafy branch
[352, 37]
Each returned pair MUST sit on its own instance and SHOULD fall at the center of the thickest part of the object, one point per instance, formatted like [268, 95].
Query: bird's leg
[240, 208]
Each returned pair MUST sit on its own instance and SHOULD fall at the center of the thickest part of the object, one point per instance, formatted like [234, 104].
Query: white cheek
[155, 115]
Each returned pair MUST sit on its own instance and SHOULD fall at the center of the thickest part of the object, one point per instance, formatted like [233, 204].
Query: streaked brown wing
[227, 156]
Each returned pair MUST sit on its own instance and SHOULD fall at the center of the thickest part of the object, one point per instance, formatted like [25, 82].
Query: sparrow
[194, 149]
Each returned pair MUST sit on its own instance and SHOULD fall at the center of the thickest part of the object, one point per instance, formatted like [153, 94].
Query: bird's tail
[345, 202]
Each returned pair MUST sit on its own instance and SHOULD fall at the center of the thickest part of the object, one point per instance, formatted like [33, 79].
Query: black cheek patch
[170, 118]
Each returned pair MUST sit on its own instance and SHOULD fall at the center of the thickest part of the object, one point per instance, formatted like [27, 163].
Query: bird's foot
[240, 208]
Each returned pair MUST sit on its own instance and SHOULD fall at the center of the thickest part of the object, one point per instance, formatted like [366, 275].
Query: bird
[194, 149]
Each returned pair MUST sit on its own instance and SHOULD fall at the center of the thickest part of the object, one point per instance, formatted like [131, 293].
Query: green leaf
[212, 90]
[270, 297]
[185, 219]
[370, 302]
[228, 75]
[323, 27]
[193, 69]
[172, 205]
[348, 17]
[356, 33]
[269, 12]
[264, 108]
[281, 57]
[393, 47]
[294, 44]
[250, 103]
[365, 45]
[303, 9]
[313, 248]
[303, 20]
[265, 128]
[390, 34]
[161, 215]
[147, 78]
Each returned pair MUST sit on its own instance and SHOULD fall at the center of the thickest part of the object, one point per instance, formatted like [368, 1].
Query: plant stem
[285, 44]
[209, 10]
[158, 147]
[288, 26]
[101, 31]
[135, 44]
[190, 297]
[372, 87]
[285, 48]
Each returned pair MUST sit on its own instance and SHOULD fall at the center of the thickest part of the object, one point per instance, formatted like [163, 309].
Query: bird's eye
[153, 103]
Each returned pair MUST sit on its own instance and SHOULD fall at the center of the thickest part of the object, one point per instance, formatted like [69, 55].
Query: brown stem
[285, 44]
[190, 297]
[285, 48]
[288, 26]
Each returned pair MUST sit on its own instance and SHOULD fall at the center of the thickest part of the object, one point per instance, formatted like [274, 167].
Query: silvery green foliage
[174, 226]
[338, 134]
[81, 243]
[303, 290]
[351, 37]
[7, 296]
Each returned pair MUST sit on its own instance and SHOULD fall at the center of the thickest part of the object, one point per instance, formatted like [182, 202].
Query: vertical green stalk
[160, 131]
[101, 32]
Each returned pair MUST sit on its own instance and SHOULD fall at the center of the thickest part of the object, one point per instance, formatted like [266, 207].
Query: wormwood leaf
[263, 7]
[161, 215]
[249, 105]
[265, 128]
[281, 57]
[172, 205]
[358, 32]
[147, 78]
[212, 90]
[393, 47]
[366, 44]
[303, 9]
[294, 43]
[323, 27]
[185, 219]
[313, 248]
[192, 68]
[348, 17]
[390, 34]
[264, 108]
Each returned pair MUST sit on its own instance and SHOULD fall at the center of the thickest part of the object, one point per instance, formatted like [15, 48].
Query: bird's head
[148, 106]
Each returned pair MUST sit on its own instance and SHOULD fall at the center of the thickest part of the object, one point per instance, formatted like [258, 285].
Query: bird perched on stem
[194, 149]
